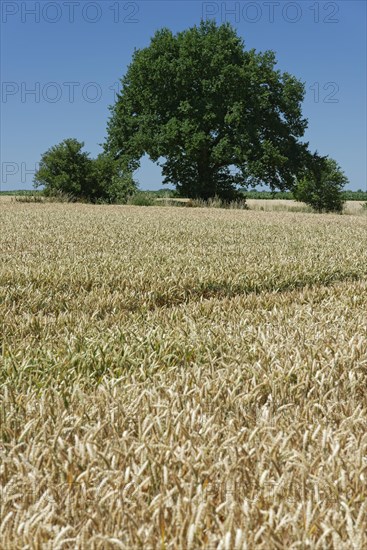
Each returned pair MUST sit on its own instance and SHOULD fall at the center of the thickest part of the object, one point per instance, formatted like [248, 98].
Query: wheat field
[176, 378]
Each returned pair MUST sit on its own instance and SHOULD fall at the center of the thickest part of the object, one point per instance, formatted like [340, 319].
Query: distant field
[350, 207]
[280, 205]
[182, 378]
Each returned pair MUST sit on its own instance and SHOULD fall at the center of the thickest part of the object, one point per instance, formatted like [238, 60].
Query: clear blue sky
[73, 53]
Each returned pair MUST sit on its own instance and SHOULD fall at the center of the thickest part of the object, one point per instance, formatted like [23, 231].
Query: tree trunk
[206, 184]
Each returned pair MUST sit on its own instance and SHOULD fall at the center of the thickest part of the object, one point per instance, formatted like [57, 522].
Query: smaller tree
[321, 185]
[64, 168]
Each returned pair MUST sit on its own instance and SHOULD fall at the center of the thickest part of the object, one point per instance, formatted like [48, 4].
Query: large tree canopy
[219, 115]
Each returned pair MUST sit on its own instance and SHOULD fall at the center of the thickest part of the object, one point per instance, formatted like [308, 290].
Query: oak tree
[214, 115]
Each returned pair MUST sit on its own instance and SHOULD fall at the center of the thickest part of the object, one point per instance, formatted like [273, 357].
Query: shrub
[141, 199]
[321, 186]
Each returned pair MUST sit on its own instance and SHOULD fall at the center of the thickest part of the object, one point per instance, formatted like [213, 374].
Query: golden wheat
[182, 378]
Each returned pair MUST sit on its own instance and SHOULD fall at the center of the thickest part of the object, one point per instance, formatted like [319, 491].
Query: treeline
[170, 193]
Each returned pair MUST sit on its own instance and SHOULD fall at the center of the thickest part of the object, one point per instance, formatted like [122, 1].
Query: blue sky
[62, 60]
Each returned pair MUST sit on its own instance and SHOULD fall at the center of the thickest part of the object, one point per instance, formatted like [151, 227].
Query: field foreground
[182, 378]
